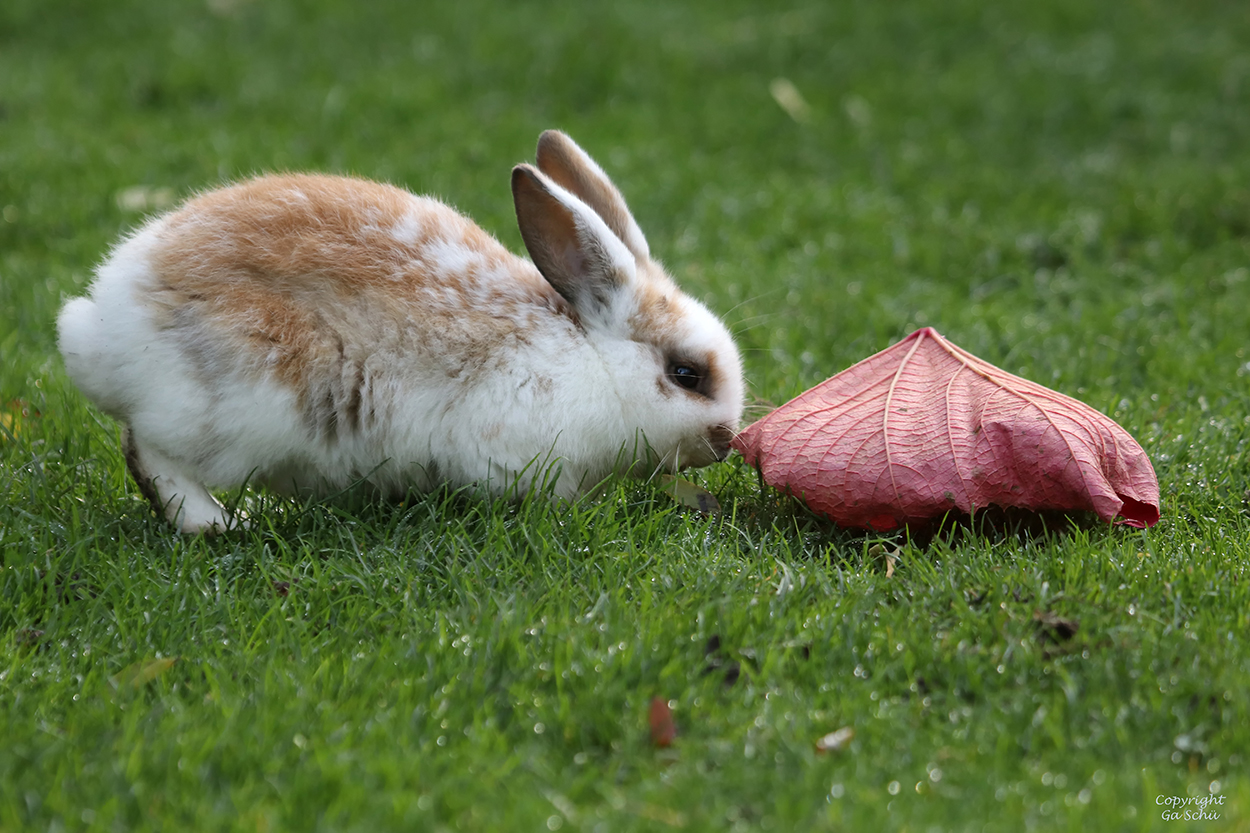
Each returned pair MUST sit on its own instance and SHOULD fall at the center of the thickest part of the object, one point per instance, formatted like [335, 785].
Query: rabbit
[305, 332]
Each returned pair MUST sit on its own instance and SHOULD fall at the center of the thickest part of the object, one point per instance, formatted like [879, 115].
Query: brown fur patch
[714, 373]
[658, 321]
[658, 315]
[299, 277]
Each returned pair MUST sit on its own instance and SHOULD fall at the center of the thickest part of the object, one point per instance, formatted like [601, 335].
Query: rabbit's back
[284, 259]
[293, 232]
[305, 278]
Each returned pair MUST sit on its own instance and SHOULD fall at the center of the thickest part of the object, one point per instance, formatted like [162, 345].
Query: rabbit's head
[669, 362]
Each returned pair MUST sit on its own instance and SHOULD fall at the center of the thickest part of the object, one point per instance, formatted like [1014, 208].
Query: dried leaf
[138, 674]
[879, 553]
[718, 662]
[29, 637]
[789, 98]
[660, 717]
[13, 415]
[924, 427]
[836, 741]
[1054, 627]
[688, 494]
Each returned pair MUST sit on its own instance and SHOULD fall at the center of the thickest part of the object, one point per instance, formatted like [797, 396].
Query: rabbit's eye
[685, 376]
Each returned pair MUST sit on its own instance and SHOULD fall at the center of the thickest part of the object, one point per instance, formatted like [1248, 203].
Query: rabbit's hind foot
[174, 493]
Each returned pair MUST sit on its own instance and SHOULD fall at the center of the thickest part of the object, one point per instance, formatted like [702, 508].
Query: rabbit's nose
[719, 437]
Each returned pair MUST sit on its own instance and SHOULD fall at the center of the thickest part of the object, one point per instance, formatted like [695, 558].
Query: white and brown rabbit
[305, 332]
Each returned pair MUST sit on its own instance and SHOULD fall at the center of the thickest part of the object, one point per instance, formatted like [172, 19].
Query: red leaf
[661, 719]
[924, 427]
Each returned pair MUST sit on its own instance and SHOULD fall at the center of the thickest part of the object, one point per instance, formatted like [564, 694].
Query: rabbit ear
[569, 243]
[560, 158]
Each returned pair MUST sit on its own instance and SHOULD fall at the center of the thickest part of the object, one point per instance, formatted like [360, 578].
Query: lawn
[1061, 187]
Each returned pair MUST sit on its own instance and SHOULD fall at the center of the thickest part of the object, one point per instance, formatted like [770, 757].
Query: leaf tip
[1137, 513]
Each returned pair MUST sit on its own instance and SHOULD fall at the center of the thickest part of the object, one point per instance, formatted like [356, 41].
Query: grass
[1060, 188]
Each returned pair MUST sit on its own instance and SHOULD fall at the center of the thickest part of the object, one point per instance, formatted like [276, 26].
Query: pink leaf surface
[925, 427]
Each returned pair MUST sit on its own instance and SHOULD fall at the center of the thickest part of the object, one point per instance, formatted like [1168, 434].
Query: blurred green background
[1061, 187]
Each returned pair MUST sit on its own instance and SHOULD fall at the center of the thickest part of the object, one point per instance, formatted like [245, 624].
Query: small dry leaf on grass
[284, 588]
[889, 558]
[688, 494]
[138, 674]
[719, 662]
[836, 741]
[660, 718]
[1054, 627]
[789, 98]
[29, 637]
[13, 415]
